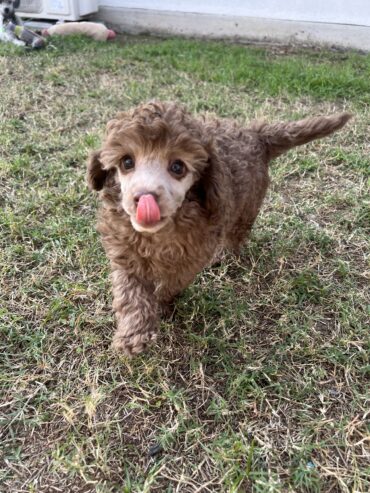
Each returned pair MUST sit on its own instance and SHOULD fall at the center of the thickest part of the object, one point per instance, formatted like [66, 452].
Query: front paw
[132, 344]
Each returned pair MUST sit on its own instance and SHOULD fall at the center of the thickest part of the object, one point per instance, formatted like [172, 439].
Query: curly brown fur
[210, 208]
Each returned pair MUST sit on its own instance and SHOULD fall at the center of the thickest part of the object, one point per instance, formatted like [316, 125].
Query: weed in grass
[306, 478]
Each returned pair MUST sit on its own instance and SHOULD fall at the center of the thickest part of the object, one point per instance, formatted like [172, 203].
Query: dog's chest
[172, 263]
[168, 262]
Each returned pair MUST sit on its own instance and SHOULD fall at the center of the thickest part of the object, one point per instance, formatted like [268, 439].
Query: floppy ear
[96, 174]
[212, 186]
[16, 4]
[210, 189]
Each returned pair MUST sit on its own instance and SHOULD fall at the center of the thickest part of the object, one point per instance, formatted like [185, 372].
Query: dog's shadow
[213, 315]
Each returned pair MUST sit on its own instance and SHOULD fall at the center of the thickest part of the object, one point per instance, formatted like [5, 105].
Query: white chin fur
[147, 229]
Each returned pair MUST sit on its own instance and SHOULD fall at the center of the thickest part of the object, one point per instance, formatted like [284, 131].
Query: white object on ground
[93, 29]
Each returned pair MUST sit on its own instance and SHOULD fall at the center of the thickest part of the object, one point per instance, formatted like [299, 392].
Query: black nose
[137, 195]
[6, 10]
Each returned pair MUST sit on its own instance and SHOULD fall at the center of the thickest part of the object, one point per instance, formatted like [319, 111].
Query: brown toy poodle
[176, 190]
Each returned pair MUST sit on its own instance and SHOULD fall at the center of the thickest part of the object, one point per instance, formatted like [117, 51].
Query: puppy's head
[8, 7]
[156, 153]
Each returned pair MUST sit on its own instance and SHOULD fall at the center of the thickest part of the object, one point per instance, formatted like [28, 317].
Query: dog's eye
[177, 168]
[127, 162]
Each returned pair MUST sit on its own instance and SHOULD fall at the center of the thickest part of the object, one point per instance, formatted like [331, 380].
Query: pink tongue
[147, 210]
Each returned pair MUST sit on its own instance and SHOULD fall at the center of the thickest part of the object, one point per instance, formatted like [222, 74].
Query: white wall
[355, 12]
[340, 23]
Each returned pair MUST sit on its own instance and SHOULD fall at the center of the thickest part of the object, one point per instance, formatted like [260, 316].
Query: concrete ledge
[211, 26]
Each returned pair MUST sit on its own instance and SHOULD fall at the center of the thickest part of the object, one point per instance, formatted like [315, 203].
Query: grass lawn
[259, 382]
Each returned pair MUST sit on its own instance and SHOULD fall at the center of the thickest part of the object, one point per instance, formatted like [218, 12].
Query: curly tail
[280, 137]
